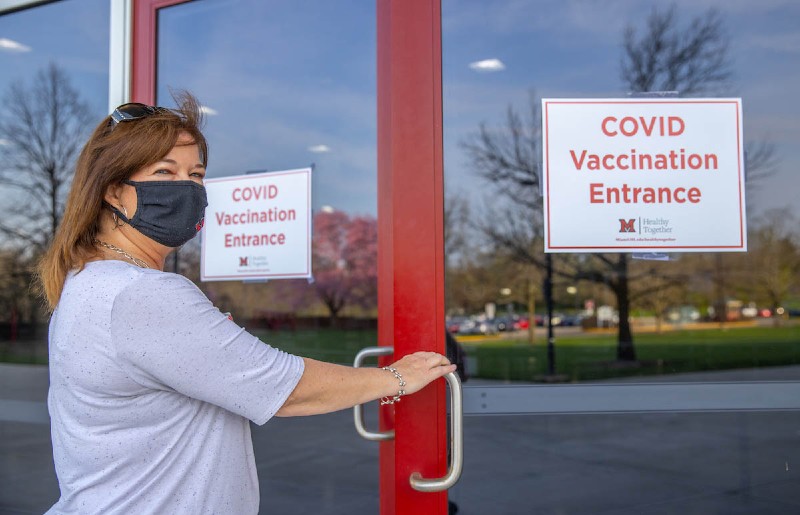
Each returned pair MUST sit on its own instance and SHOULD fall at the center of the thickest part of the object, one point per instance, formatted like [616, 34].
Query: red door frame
[410, 241]
[410, 218]
[143, 49]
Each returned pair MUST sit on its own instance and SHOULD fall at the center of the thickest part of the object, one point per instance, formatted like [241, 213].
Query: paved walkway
[710, 463]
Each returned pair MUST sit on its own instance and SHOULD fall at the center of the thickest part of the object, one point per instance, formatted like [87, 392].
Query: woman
[151, 386]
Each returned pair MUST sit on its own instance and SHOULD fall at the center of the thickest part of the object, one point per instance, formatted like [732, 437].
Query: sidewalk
[710, 463]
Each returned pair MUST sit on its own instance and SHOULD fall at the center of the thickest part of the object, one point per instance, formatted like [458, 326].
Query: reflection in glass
[284, 89]
[54, 89]
[665, 464]
[614, 316]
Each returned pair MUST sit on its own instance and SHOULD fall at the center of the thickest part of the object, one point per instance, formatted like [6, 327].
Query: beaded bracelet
[400, 393]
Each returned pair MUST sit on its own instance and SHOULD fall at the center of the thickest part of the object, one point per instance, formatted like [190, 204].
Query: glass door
[285, 88]
[687, 403]
[664, 386]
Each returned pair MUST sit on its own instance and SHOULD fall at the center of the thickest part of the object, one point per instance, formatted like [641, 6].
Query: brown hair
[113, 153]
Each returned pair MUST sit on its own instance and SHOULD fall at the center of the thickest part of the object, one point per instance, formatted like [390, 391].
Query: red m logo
[242, 261]
[626, 225]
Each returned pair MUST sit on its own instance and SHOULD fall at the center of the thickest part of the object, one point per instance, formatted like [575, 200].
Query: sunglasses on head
[132, 111]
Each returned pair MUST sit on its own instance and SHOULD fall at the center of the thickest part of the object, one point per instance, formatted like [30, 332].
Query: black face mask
[169, 212]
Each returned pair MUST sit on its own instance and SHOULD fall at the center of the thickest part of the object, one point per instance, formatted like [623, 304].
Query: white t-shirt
[151, 389]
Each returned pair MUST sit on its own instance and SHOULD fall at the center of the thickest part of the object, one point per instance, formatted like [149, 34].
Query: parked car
[504, 324]
[478, 325]
[454, 324]
[468, 326]
[571, 320]
[488, 326]
[683, 314]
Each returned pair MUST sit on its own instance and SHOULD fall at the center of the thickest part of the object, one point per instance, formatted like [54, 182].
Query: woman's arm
[325, 387]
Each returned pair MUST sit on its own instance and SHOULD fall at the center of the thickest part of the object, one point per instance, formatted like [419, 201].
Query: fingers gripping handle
[358, 409]
[456, 444]
[456, 426]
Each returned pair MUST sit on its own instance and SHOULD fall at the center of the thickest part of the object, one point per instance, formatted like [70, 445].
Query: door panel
[629, 464]
[688, 425]
[272, 86]
[285, 88]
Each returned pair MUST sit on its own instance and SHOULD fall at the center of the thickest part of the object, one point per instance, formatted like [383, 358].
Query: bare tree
[456, 225]
[666, 57]
[760, 162]
[774, 258]
[17, 302]
[43, 127]
[687, 61]
[508, 158]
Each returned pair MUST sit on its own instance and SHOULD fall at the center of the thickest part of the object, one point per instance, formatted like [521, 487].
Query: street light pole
[548, 297]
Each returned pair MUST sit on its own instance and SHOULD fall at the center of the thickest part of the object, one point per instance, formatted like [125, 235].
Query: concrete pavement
[709, 463]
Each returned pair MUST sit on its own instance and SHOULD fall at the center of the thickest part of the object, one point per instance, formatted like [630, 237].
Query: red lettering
[578, 162]
[596, 193]
[648, 130]
[630, 126]
[672, 121]
[630, 120]
[603, 126]
[250, 193]
[694, 195]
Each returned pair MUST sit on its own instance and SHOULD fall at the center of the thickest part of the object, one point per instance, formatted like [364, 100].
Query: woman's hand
[420, 368]
[325, 387]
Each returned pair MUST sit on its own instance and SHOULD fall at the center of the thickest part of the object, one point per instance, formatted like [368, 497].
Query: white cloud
[4, 142]
[207, 110]
[319, 149]
[488, 65]
[786, 42]
[10, 45]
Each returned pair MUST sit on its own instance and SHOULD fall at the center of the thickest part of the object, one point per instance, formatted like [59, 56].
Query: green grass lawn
[594, 357]
[334, 345]
[581, 357]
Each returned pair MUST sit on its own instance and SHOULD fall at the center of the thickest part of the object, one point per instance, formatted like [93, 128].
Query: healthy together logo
[627, 225]
[645, 229]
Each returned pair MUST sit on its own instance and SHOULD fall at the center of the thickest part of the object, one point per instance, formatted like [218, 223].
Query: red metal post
[410, 239]
[144, 52]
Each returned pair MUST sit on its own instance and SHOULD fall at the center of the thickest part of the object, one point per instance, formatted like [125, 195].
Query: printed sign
[622, 175]
[257, 226]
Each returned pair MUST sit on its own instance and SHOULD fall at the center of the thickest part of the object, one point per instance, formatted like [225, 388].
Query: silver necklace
[136, 261]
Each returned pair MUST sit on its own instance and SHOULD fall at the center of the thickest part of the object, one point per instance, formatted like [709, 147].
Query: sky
[287, 87]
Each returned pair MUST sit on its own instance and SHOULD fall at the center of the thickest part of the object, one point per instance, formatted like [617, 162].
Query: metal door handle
[358, 409]
[456, 444]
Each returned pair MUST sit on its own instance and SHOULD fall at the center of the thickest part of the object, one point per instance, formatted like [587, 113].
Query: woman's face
[182, 163]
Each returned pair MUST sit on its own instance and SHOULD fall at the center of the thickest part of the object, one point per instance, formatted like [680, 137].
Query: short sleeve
[167, 334]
